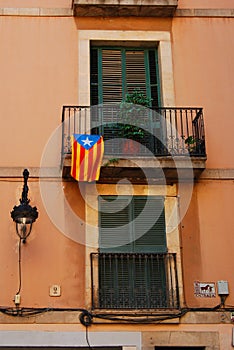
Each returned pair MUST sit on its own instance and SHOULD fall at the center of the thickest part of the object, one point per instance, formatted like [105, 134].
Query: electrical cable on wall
[17, 295]
[19, 267]
[86, 318]
[87, 337]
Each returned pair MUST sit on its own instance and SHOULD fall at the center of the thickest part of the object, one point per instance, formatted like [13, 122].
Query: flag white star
[87, 141]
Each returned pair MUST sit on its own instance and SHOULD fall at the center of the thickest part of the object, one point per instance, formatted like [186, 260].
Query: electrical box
[222, 287]
[55, 290]
[17, 299]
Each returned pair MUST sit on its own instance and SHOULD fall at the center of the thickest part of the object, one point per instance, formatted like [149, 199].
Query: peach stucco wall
[39, 68]
[203, 58]
[36, 3]
[39, 74]
[209, 4]
[207, 239]
[47, 258]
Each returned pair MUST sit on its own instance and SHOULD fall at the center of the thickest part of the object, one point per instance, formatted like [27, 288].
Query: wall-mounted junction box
[17, 299]
[55, 290]
[222, 287]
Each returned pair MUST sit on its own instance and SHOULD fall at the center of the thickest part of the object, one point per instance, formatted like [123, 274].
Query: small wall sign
[204, 289]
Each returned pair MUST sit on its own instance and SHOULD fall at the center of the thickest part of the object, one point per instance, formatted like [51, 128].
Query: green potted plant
[191, 144]
[138, 97]
[132, 112]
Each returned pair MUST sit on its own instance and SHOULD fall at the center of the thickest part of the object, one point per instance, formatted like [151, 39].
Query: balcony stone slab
[125, 8]
[151, 170]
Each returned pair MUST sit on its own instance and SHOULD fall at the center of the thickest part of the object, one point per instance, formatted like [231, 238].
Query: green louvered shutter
[95, 89]
[115, 233]
[117, 71]
[111, 76]
[114, 237]
[132, 224]
[154, 78]
[136, 71]
[132, 280]
[150, 276]
[149, 225]
[150, 237]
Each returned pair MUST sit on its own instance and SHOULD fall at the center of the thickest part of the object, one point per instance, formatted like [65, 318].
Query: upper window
[116, 71]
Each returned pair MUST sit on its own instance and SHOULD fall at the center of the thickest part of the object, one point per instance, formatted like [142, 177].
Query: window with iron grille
[134, 268]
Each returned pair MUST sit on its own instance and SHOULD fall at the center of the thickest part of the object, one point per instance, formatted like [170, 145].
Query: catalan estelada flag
[87, 154]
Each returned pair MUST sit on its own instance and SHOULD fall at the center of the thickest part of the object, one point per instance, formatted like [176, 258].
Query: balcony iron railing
[158, 132]
[134, 281]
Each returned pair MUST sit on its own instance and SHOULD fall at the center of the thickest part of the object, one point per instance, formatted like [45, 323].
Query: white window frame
[162, 41]
[92, 221]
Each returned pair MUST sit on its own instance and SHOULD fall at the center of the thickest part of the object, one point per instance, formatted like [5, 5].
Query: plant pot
[131, 147]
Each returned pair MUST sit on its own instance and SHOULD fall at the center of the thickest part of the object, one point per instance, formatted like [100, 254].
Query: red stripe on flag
[96, 162]
[90, 163]
[74, 155]
[80, 176]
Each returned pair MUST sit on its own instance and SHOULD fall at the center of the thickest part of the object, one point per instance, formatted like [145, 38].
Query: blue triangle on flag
[86, 141]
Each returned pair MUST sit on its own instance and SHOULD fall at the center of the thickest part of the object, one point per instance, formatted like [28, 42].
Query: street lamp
[24, 215]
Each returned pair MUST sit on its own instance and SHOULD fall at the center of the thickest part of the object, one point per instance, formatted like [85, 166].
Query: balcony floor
[143, 170]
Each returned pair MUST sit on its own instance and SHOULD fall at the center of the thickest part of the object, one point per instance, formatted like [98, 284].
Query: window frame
[162, 40]
[138, 267]
[91, 193]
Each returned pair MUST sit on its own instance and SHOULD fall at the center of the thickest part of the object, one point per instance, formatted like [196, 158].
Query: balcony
[125, 8]
[163, 142]
[134, 281]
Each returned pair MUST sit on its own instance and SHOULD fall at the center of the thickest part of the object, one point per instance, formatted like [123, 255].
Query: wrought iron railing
[134, 281]
[158, 132]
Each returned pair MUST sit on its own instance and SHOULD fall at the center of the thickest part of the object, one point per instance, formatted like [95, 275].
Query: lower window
[133, 269]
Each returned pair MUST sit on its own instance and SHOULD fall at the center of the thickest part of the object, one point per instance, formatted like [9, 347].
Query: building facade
[141, 258]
